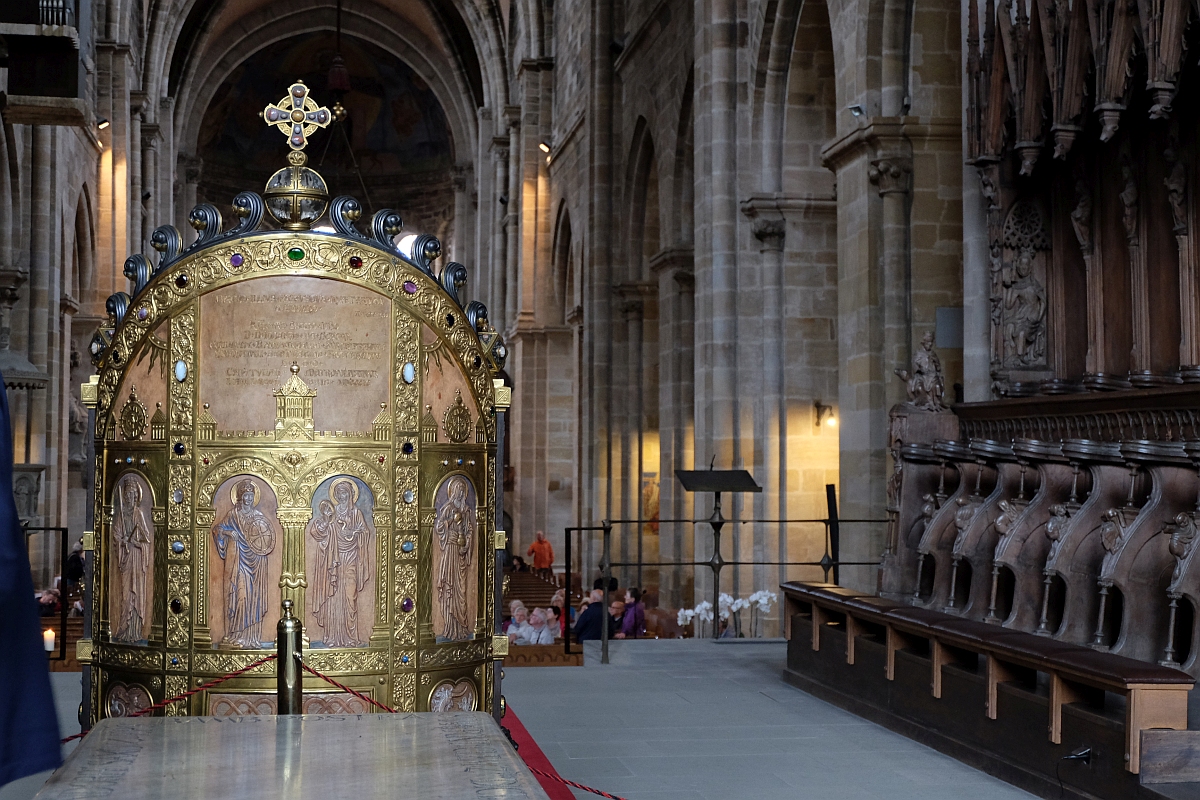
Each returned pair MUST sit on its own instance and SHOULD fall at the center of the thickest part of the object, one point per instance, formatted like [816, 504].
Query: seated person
[587, 627]
[540, 632]
[48, 603]
[616, 615]
[518, 564]
[553, 621]
[519, 630]
[633, 624]
[512, 613]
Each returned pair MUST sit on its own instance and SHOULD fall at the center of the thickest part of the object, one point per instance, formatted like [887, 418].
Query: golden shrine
[295, 414]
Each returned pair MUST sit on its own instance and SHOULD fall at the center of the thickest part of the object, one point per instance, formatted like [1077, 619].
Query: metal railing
[830, 563]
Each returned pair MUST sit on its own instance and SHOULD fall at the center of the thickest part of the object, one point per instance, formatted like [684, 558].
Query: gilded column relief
[340, 539]
[454, 532]
[246, 567]
[133, 558]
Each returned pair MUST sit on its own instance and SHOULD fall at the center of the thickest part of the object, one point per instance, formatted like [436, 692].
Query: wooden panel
[1061, 693]
[997, 673]
[1151, 706]
[1170, 756]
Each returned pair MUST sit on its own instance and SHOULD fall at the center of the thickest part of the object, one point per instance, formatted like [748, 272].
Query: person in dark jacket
[587, 627]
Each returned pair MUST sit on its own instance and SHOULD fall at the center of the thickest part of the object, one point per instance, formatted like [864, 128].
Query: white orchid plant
[729, 608]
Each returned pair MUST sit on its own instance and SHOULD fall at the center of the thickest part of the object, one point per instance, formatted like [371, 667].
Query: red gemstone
[355, 262]
[381, 459]
[206, 461]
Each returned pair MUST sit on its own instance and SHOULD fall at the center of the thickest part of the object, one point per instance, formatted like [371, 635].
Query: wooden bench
[1155, 696]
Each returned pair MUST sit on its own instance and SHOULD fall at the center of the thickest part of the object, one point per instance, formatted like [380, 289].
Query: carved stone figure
[25, 494]
[1024, 314]
[1055, 527]
[962, 520]
[926, 385]
[1111, 531]
[342, 539]
[1183, 537]
[1129, 202]
[1081, 216]
[133, 537]
[244, 538]
[454, 531]
[1176, 183]
[1009, 511]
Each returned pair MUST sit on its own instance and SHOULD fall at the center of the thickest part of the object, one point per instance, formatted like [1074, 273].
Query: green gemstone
[295, 254]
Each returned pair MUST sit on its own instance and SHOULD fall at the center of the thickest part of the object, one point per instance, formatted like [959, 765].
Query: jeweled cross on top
[297, 115]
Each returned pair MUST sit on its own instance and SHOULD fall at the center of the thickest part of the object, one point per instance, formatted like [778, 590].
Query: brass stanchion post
[287, 665]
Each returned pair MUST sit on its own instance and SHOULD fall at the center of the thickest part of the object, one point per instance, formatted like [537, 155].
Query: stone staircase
[532, 590]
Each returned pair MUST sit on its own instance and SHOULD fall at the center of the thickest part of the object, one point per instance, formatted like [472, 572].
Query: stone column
[150, 206]
[498, 268]
[42, 261]
[891, 174]
[633, 308]
[722, 278]
[512, 284]
[1189, 281]
[770, 232]
[460, 248]
[136, 242]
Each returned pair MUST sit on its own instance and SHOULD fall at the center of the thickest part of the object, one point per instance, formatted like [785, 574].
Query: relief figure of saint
[132, 533]
[244, 538]
[454, 529]
[343, 567]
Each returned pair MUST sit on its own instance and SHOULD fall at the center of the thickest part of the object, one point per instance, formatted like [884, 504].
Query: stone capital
[891, 174]
[769, 231]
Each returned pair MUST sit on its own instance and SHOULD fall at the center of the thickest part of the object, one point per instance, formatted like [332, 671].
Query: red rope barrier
[163, 704]
[573, 784]
[344, 688]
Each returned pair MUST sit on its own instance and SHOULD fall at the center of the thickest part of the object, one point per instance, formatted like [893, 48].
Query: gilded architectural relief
[244, 566]
[131, 559]
[252, 332]
[450, 411]
[340, 547]
[455, 536]
[237, 705]
[123, 700]
[457, 695]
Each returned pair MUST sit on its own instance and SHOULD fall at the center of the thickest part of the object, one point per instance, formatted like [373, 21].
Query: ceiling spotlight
[545, 148]
[102, 123]
[825, 414]
[856, 110]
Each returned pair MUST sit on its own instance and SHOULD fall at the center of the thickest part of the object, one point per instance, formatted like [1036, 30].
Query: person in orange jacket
[543, 556]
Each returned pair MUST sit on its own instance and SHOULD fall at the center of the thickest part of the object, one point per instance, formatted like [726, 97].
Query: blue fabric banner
[29, 738]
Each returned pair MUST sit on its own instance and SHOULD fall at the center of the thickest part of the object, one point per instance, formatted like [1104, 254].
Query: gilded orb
[296, 196]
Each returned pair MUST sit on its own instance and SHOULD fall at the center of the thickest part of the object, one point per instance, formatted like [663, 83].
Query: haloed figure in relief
[454, 530]
[133, 534]
[244, 539]
[342, 538]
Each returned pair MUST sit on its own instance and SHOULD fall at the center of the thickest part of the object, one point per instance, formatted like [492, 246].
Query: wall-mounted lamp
[545, 148]
[102, 123]
[503, 199]
[826, 415]
[856, 110]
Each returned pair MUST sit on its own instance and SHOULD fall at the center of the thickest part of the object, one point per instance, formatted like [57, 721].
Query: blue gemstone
[177, 547]
[403, 659]
[175, 660]
[407, 547]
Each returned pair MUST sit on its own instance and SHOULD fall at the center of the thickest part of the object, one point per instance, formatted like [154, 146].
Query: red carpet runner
[534, 757]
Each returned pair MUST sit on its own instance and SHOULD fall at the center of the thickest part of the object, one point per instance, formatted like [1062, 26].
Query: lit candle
[48, 640]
